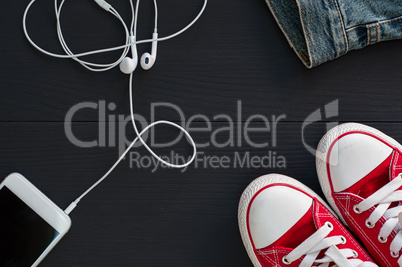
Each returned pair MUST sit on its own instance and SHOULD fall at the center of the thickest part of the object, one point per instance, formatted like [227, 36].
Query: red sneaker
[284, 223]
[359, 170]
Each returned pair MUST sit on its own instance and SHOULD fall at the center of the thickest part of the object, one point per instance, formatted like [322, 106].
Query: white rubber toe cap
[354, 156]
[274, 211]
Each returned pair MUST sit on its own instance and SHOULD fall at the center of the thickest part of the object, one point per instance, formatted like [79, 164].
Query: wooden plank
[144, 218]
[228, 56]
[236, 52]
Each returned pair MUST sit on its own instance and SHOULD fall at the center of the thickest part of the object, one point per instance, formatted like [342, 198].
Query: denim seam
[287, 35]
[355, 28]
[377, 25]
[391, 21]
[343, 27]
[371, 37]
[306, 36]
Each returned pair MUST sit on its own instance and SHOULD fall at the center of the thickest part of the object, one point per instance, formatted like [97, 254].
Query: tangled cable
[127, 65]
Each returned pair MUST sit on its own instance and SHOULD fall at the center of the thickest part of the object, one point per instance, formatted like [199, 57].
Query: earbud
[148, 60]
[128, 64]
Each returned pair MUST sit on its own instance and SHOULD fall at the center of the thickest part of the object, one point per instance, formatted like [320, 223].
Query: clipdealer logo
[223, 131]
[231, 132]
[329, 112]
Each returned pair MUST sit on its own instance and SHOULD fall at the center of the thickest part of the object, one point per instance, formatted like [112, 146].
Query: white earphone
[148, 60]
[127, 65]
[126, 47]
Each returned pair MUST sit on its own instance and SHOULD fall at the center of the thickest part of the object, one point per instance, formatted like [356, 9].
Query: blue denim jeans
[322, 30]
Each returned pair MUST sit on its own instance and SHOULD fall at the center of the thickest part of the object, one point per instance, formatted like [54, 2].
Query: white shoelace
[383, 198]
[319, 241]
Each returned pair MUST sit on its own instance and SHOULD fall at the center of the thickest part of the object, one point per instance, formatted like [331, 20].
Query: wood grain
[236, 52]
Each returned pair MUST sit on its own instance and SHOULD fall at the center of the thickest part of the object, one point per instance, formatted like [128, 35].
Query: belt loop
[372, 33]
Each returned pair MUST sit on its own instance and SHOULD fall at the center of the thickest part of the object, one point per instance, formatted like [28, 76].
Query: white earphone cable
[86, 64]
[104, 67]
[139, 137]
[105, 50]
[189, 138]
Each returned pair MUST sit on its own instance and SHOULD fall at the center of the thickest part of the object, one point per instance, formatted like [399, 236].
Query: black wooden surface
[235, 52]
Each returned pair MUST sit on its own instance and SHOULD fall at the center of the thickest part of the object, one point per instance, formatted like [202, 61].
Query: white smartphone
[30, 223]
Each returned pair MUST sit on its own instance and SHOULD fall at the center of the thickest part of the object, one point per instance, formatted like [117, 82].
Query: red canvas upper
[314, 218]
[347, 199]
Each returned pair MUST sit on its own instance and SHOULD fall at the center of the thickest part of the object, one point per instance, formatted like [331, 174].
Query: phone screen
[24, 235]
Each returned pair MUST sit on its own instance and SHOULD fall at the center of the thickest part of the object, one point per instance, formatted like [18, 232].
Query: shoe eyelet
[329, 225]
[355, 254]
[394, 255]
[343, 240]
[285, 261]
[382, 239]
[356, 209]
[369, 224]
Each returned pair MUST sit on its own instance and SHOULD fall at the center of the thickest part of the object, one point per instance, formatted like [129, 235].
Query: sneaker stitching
[394, 164]
[276, 257]
[345, 232]
[362, 232]
[358, 246]
[265, 256]
[275, 262]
